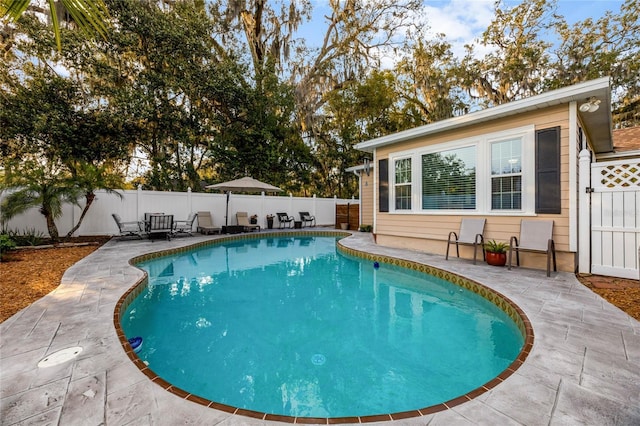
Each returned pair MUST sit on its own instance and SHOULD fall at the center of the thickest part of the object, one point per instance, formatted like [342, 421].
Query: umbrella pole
[226, 216]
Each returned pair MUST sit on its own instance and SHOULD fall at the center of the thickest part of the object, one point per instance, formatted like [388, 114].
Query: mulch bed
[622, 292]
[30, 273]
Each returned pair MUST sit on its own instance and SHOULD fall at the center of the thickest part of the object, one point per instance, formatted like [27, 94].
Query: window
[449, 179]
[402, 184]
[506, 175]
[493, 173]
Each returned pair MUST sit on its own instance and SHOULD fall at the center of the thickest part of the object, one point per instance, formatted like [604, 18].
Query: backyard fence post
[291, 202]
[315, 207]
[189, 201]
[139, 202]
[584, 212]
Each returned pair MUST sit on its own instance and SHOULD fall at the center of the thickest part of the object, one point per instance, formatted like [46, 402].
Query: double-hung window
[506, 175]
[402, 184]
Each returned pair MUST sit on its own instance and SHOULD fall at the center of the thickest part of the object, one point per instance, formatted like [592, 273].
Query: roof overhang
[358, 168]
[597, 125]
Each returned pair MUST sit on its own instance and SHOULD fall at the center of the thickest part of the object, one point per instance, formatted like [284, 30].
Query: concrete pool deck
[584, 367]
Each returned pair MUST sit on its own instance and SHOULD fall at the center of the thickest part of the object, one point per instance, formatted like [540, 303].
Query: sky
[462, 21]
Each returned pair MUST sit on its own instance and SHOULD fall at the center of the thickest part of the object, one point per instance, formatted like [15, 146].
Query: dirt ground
[28, 274]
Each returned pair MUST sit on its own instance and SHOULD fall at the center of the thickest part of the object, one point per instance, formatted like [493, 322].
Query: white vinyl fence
[615, 218]
[135, 203]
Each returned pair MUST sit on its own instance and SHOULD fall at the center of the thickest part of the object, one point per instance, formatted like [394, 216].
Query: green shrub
[6, 244]
[28, 237]
[366, 228]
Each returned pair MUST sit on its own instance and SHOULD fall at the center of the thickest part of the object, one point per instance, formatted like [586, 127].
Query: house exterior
[365, 173]
[515, 161]
[626, 144]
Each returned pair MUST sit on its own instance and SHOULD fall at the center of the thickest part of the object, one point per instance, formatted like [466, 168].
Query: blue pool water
[290, 326]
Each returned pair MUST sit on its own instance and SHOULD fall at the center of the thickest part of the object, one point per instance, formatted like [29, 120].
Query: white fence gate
[615, 218]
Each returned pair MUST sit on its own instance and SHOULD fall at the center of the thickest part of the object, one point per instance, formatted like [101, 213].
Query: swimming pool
[291, 326]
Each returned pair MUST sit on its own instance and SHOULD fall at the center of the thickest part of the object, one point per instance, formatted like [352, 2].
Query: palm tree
[34, 185]
[89, 178]
[91, 16]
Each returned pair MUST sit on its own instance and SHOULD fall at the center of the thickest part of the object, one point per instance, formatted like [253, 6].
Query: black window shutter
[548, 171]
[383, 184]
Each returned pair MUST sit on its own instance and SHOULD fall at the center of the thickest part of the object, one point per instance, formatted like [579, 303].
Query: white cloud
[462, 21]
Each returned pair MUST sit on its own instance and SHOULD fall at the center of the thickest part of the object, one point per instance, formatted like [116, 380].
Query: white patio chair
[185, 226]
[128, 229]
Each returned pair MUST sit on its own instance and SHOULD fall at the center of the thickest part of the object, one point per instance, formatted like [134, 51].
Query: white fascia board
[577, 92]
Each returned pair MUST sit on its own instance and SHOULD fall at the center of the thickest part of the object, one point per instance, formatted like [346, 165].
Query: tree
[73, 151]
[159, 70]
[516, 66]
[358, 112]
[429, 81]
[357, 32]
[607, 47]
[262, 142]
[32, 184]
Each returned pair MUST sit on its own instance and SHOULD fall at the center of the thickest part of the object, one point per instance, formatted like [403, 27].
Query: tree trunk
[52, 228]
[89, 196]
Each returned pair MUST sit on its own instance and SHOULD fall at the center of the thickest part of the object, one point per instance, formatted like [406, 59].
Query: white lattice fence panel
[616, 175]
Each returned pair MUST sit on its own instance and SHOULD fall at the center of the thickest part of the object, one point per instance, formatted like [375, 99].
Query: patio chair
[470, 233]
[305, 218]
[205, 223]
[284, 220]
[535, 236]
[146, 219]
[128, 229]
[243, 220]
[160, 225]
[184, 226]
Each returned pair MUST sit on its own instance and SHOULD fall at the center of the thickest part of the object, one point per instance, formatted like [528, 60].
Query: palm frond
[13, 9]
[91, 16]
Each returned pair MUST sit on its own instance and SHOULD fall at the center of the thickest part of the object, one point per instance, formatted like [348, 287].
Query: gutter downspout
[355, 172]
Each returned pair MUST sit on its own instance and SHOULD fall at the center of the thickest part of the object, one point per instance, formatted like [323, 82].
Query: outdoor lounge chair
[284, 220]
[305, 218]
[535, 236]
[205, 223]
[243, 220]
[146, 219]
[184, 226]
[128, 229]
[471, 231]
[160, 225]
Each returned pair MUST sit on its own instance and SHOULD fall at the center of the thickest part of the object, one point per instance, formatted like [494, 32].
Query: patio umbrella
[245, 184]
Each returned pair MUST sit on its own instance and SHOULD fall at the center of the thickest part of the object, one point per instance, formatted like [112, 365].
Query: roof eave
[578, 93]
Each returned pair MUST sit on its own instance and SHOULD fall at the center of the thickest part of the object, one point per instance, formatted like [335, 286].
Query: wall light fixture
[591, 105]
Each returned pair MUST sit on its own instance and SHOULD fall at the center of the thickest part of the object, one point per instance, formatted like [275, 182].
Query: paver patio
[584, 367]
